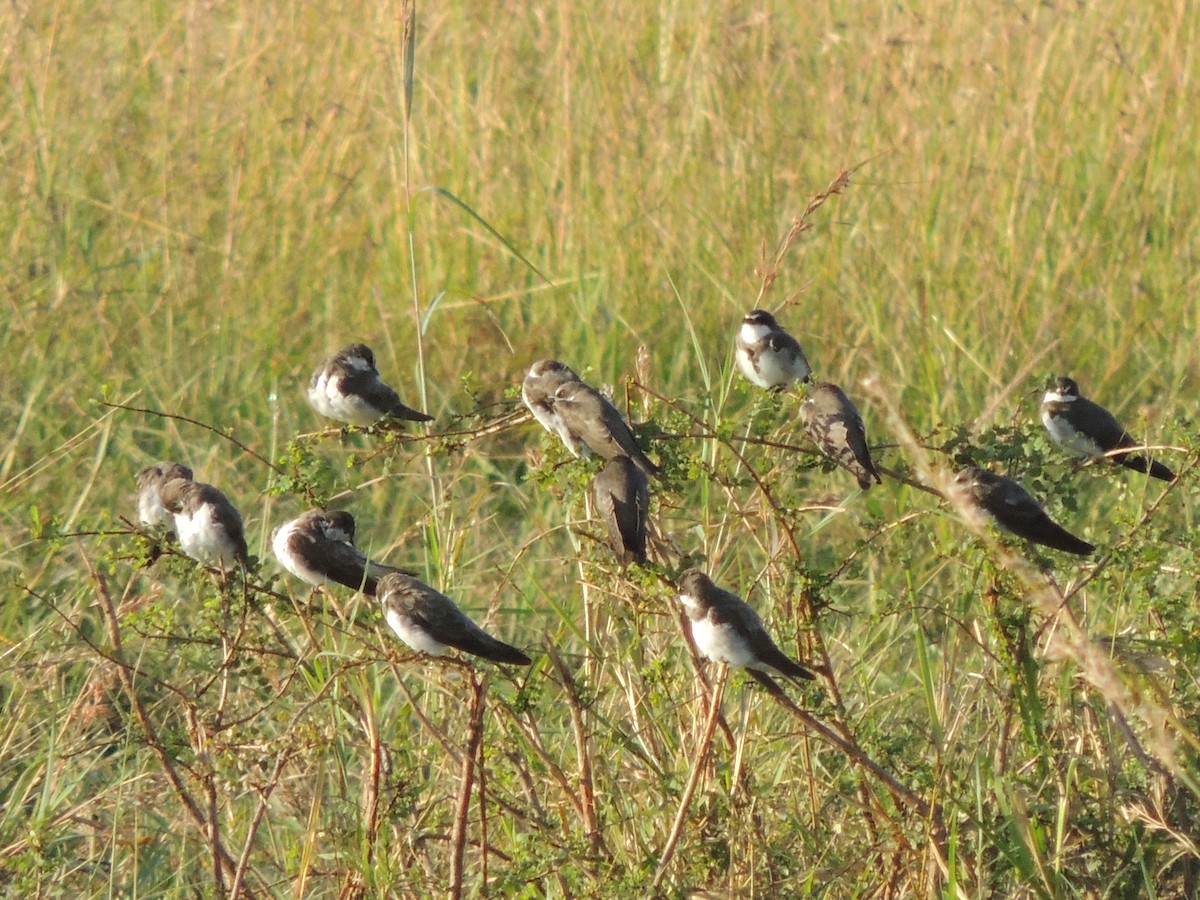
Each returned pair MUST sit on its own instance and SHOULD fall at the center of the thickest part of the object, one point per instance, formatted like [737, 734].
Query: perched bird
[537, 391]
[318, 547]
[726, 629]
[347, 387]
[209, 527]
[622, 494]
[588, 414]
[835, 426]
[150, 481]
[766, 354]
[1014, 508]
[429, 621]
[1088, 430]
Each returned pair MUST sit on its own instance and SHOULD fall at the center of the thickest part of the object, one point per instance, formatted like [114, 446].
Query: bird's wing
[782, 342]
[343, 563]
[379, 395]
[1104, 428]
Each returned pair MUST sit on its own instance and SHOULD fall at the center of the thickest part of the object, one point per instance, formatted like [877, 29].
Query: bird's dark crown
[566, 391]
[338, 520]
[545, 366]
[760, 317]
[693, 581]
[1066, 386]
[971, 475]
[174, 492]
[360, 350]
[163, 472]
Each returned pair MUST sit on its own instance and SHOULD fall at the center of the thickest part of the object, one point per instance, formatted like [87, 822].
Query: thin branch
[463, 807]
[223, 861]
[714, 705]
[264, 797]
[217, 431]
[586, 787]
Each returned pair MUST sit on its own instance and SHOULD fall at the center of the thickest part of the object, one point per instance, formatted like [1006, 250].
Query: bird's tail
[1059, 538]
[1153, 468]
[488, 647]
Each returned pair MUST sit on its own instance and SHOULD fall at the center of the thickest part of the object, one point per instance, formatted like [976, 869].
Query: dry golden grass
[202, 200]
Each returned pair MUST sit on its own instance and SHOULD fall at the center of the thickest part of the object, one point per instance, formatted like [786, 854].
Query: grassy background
[202, 200]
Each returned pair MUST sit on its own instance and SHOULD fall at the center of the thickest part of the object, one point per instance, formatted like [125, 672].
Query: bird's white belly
[779, 369]
[203, 539]
[548, 420]
[570, 440]
[151, 512]
[350, 407]
[747, 368]
[1070, 439]
[752, 332]
[318, 396]
[720, 643]
[279, 543]
[413, 636]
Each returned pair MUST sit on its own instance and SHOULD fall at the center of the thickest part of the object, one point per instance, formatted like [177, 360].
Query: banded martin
[766, 354]
[727, 630]
[318, 548]
[587, 413]
[430, 622]
[150, 481]
[1015, 509]
[622, 495]
[347, 387]
[833, 423]
[537, 391]
[1088, 430]
[208, 525]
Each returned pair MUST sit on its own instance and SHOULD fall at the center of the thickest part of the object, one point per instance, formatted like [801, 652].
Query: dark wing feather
[372, 388]
[440, 616]
[856, 440]
[225, 514]
[782, 342]
[615, 438]
[588, 413]
[342, 563]
[1102, 426]
[732, 610]
[1018, 511]
[622, 499]
[1108, 433]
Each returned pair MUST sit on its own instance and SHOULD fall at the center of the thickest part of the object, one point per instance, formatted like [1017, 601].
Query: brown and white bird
[537, 392]
[430, 622]
[1088, 430]
[621, 492]
[833, 423]
[150, 481]
[1015, 509]
[590, 416]
[208, 525]
[725, 629]
[318, 548]
[347, 387]
[766, 354]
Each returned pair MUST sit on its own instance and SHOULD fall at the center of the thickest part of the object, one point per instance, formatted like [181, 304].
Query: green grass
[203, 201]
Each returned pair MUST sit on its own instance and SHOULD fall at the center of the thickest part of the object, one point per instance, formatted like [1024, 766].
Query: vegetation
[946, 205]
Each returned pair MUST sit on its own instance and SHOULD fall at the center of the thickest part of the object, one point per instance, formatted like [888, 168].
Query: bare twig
[714, 704]
[223, 862]
[374, 774]
[264, 798]
[217, 431]
[586, 787]
[769, 271]
[474, 736]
